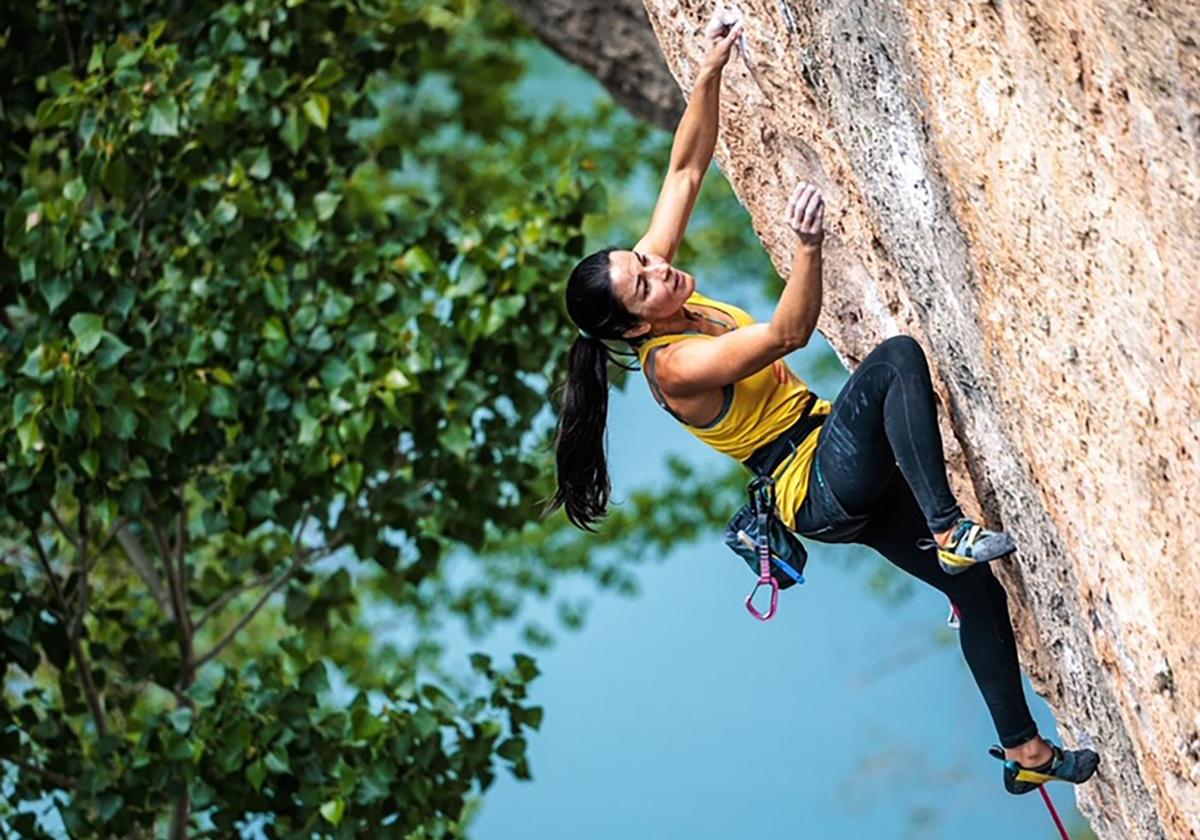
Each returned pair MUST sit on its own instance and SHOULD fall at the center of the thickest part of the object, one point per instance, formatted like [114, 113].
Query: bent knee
[903, 350]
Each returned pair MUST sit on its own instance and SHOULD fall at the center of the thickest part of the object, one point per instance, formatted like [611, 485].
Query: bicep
[699, 365]
[671, 213]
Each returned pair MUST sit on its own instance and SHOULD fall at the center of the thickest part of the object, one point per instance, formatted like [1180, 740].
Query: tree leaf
[326, 204]
[90, 462]
[316, 109]
[108, 804]
[512, 748]
[164, 117]
[112, 350]
[333, 810]
[88, 329]
[256, 773]
[293, 131]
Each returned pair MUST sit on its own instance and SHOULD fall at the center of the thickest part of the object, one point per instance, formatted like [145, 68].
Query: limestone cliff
[1018, 186]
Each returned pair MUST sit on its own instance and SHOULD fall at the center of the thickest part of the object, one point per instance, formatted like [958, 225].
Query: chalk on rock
[723, 18]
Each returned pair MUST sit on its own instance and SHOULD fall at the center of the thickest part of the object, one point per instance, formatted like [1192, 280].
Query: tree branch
[70, 535]
[143, 565]
[81, 547]
[299, 562]
[224, 600]
[179, 818]
[177, 608]
[58, 593]
[62, 20]
[300, 522]
[244, 620]
[180, 572]
[174, 565]
[181, 566]
[121, 522]
[81, 661]
[62, 781]
[163, 548]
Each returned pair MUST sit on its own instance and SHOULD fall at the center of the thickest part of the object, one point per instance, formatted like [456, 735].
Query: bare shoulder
[671, 367]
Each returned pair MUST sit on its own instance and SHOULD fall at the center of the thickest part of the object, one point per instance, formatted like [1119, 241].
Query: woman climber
[866, 469]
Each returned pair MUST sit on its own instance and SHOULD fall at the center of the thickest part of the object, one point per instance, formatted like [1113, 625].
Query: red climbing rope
[1050, 805]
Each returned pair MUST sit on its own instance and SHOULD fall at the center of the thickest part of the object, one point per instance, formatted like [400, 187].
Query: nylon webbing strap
[767, 458]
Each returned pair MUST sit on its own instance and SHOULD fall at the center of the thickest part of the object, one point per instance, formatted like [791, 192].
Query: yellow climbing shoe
[969, 544]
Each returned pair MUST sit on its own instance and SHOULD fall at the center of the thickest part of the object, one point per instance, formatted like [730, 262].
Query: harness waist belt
[767, 458]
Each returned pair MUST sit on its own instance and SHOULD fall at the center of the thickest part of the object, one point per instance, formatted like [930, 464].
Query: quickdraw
[762, 500]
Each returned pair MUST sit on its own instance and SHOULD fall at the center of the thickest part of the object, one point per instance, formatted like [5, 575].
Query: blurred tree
[280, 314]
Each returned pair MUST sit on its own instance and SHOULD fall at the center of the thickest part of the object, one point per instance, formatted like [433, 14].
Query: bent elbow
[788, 340]
[797, 343]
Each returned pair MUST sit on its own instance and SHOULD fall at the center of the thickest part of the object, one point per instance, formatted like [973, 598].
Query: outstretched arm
[689, 367]
[693, 147]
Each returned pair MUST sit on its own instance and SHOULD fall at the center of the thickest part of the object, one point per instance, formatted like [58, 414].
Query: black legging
[878, 479]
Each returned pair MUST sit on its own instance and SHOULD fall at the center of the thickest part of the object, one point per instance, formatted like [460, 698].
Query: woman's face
[648, 286]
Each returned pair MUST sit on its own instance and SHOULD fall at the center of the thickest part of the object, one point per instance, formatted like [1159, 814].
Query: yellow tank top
[757, 410]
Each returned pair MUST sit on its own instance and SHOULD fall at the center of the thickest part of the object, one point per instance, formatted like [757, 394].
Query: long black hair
[583, 484]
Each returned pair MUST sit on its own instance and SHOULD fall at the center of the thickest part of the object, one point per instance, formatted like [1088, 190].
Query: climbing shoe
[969, 544]
[1074, 766]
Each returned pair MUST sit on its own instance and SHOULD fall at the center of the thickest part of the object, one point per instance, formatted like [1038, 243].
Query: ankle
[1032, 753]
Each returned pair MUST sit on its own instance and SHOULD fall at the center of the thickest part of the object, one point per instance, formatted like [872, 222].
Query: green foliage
[281, 311]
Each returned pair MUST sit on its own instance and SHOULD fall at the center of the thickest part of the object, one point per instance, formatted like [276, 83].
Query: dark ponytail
[583, 484]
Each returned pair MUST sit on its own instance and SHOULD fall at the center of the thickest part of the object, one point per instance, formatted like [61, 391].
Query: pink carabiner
[774, 584]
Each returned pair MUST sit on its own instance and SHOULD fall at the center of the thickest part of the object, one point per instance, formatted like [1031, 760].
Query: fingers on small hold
[796, 198]
[814, 204]
[720, 22]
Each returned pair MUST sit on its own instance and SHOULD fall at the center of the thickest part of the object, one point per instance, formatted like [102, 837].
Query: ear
[638, 331]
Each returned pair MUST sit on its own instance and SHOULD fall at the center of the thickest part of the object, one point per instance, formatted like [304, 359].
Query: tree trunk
[1017, 186]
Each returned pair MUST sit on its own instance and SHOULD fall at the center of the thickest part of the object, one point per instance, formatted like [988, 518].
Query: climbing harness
[767, 546]
[755, 533]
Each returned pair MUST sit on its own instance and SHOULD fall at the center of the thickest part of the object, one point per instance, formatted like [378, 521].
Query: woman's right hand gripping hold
[806, 214]
[687, 368]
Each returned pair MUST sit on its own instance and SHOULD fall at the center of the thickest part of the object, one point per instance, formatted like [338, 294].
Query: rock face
[1018, 186]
